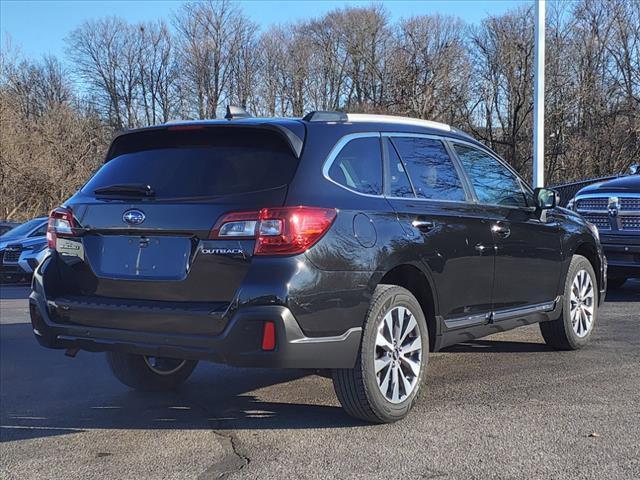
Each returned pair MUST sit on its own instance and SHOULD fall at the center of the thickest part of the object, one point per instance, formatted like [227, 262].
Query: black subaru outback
[355, 243]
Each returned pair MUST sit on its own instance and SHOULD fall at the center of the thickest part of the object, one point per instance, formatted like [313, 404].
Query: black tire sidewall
[133, 371]
[393, 297]
[578, 263]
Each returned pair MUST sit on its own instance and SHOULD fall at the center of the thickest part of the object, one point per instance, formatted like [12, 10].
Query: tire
[358, 388]
[138, 372]
[615, 283]
[563, 333]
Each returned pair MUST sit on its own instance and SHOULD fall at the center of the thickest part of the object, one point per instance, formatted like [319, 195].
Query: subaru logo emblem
[133, 217]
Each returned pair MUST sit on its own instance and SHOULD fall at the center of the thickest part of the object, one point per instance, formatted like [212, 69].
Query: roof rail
[325, 116]
[365, 117]
[328, 116]
[234, 112]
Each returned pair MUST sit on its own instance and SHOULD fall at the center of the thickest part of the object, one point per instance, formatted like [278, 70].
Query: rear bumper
[239, 344]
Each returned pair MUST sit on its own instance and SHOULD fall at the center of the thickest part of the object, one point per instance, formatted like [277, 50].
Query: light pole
[538, 97]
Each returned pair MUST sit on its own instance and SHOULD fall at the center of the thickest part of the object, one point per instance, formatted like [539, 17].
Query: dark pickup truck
[614, 207]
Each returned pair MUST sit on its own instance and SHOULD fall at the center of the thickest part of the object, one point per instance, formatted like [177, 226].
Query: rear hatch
[143, 241]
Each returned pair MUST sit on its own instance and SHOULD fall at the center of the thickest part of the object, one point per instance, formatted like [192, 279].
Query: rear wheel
[579, 311]
[392, 360]
[614, 283]
[149, 373]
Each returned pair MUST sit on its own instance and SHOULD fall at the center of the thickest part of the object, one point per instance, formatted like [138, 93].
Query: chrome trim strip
[508, 313]
[500, 315]
[607, 195]
[467, 321]
[337, 338]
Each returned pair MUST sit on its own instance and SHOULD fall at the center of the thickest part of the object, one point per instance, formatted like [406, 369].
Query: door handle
[501, 230]
[424, 225]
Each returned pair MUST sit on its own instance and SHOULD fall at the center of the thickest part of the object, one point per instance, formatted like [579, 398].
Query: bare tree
[207, 34]
[106, 56]
[480, 78]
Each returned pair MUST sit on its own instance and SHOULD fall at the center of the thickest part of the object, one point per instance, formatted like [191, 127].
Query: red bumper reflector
[269, 336]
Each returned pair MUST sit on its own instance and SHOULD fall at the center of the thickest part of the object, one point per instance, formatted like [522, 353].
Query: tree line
[58, 115]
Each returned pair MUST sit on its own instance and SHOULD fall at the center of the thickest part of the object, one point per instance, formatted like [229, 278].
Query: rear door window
[432, 172]
[358, 166]
[399, 184]
[205, 162]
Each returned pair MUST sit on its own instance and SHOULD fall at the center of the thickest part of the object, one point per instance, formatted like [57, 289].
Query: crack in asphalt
[232, 462]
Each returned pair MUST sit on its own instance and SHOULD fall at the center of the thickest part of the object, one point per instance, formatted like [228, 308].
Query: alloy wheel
[163, 365]
[398, 354]
[582, 303]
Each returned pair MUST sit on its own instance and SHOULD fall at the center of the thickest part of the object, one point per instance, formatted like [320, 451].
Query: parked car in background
[614, 207]
[5, 226]
[22, 248]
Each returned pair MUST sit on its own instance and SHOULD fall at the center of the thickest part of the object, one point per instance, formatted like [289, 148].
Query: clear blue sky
[39, 27]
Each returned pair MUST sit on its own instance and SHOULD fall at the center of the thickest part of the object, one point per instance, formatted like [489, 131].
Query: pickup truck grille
[630, 203]
[600, 220]
[12, 254]
[621, 215]
[630, 223]
[592, 204]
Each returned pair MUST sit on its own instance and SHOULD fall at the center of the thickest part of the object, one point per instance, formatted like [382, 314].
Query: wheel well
[590, 253]
[411, 278]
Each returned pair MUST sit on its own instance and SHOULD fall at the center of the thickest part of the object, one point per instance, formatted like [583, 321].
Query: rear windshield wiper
[126, 189]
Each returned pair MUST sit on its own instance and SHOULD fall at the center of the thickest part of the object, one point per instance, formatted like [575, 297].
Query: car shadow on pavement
[43, 393]
[497, 346]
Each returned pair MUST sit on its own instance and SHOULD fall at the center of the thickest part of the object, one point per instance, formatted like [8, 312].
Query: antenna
[234, 112]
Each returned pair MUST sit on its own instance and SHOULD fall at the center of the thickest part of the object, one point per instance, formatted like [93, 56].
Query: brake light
[278, 231]
[61, 224]
[291, 230]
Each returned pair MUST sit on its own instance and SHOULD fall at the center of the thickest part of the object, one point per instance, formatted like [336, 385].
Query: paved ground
[503, 407]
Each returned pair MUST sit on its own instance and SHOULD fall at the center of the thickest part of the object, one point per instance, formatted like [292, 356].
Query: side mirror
[634, 169]
[546, 198]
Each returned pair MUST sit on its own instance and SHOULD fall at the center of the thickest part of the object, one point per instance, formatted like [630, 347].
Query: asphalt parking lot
[502, 407]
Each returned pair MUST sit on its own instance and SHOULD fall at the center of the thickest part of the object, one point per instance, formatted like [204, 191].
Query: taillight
[291, 230]
[235, 225]
[278, 231]
[61, 224]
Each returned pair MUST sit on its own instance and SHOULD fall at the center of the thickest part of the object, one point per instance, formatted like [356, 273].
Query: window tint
[358, 166]
[193, 163]
[431, 170]
[399, 185]
[493, 182]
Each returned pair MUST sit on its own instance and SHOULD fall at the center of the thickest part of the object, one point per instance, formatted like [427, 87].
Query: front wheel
[148, 373]
[579, 310]
[392, 360]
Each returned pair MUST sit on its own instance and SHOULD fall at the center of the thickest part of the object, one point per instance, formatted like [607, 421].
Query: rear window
[358, 166]
[196, 163]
